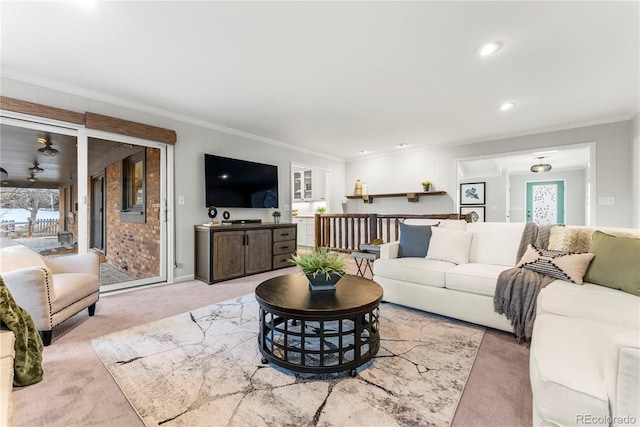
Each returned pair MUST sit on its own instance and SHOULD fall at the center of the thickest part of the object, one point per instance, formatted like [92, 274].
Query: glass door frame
[167, 159]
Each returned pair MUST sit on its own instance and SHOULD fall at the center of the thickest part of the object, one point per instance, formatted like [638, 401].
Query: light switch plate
[606, 201]
[181, 200]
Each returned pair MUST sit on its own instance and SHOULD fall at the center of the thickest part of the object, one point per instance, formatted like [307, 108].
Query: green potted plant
[321, 209]
[276, 216]
[322, 267]
[426, 184]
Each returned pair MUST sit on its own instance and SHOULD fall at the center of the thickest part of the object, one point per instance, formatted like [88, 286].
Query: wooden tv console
[228, 251]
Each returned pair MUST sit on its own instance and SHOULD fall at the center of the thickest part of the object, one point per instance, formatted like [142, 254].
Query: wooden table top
[290, 294]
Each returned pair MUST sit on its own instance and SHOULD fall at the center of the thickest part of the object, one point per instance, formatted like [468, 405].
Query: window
[133, 188]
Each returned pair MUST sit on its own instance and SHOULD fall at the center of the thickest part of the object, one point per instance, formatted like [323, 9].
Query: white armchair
[50, 289]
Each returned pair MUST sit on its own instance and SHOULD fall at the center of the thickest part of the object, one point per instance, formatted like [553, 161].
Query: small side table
[364, 261]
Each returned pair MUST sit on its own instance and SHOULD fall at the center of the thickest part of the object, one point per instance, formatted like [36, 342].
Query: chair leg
[92, 309]
[46, 337]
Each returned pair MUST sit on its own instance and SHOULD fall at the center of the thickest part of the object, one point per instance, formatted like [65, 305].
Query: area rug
[204, 368]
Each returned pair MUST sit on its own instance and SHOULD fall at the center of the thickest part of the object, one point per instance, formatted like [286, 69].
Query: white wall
[403, 171]
[193, 141]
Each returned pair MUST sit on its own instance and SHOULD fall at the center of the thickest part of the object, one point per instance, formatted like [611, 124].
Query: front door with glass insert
[545, 202]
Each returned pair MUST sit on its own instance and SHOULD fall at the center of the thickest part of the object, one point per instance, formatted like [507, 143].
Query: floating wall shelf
[411, 197]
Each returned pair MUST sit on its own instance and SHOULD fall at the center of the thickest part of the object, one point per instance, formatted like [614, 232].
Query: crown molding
[98, 96]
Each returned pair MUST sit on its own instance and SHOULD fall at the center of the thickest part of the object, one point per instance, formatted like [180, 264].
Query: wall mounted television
[234, 183]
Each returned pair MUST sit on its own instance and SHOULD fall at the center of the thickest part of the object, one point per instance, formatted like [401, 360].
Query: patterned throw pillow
[559, 264]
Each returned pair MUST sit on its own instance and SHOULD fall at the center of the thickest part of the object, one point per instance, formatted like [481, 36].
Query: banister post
[317, 230]
[373, 227]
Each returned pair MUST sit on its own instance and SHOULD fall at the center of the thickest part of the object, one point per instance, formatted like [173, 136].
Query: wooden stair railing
[346, 232]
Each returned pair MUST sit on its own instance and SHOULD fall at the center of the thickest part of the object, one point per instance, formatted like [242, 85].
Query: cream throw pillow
[449, 245]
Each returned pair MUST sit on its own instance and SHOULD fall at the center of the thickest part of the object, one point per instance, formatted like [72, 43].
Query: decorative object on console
[477, 213]
[226, 215]
[472, 193]
[426, 185]
[212, 212]
[276, 216]
[322, 267]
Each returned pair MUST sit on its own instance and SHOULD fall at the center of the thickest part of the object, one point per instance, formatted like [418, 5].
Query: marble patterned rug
[203, 368]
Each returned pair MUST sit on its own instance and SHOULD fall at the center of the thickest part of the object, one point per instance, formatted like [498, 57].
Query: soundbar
[243, 221]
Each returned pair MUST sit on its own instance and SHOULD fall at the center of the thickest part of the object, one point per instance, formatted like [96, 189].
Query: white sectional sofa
[585, 348]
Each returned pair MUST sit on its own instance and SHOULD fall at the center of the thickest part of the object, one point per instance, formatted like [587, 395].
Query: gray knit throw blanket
[517, 289]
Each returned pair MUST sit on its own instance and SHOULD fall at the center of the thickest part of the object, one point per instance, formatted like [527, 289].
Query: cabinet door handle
[246, 240]
[284, 234]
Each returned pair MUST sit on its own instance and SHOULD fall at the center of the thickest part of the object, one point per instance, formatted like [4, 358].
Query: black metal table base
[320, 345]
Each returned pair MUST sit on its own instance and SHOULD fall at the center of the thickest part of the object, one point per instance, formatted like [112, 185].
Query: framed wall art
[472, 193]
[477, 212]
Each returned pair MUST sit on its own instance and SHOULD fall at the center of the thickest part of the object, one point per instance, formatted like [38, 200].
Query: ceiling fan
[47, 150]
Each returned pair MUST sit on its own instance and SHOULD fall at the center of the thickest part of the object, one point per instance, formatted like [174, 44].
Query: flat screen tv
[233, 183]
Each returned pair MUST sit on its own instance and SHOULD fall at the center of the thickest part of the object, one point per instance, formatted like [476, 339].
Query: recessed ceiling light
[489, 48]
[403, 145]
[363, 151]
[507, 106]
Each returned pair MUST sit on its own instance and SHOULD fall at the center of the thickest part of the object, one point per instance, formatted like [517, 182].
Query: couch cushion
[557, 264]
[414, 240]
[474, 278]
[616, 262]
[566, 365]
[416, 270]
[17, 257]
[449, 245]
[495, 242]
[590, 302]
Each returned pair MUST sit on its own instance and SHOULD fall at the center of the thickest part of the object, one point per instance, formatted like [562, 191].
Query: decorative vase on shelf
[358, 190]
[425, 188]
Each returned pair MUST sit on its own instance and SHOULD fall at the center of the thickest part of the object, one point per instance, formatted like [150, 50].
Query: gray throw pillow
[414, 240]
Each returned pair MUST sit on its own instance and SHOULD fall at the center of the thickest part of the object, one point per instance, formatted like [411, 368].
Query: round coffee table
[319, 331]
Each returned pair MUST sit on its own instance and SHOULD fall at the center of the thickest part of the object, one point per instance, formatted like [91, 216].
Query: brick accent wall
[134, 247]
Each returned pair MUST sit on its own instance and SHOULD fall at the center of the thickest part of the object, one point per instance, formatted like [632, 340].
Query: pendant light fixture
[3, 174]
[540, 167]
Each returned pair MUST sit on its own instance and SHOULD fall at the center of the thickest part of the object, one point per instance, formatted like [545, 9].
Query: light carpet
[203, 368]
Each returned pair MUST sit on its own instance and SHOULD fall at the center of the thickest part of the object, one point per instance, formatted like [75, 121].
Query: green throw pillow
[616, 264]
